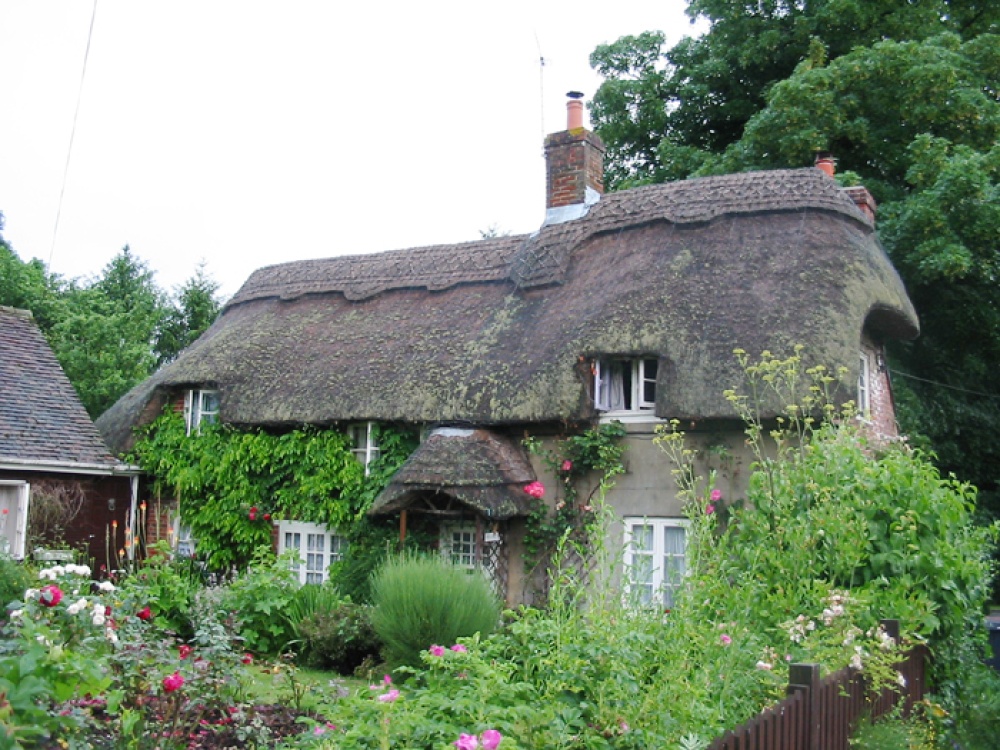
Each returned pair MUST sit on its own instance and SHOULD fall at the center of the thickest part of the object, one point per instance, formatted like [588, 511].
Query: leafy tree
[660, 111]
[195, 308]
[905, 95]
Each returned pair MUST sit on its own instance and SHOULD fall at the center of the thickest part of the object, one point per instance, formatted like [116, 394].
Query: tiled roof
[41, 418]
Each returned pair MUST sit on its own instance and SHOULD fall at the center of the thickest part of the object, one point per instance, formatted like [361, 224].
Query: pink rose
[725, 639]
[709, 509]
[716, 495]
[389, 697]
[491, 738]
[567, 465]
[459, 648]
[535, 489]
[466, 742]
[173, 682]
[436, 650]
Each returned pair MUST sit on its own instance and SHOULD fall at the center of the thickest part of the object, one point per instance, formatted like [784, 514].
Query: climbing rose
[437, 650]
[491, 738]
[466, 742]
[50, 595]
[716, 495]
[535, 489]
[459, 648]
[567, 465]
[173, 682]
[144, 613]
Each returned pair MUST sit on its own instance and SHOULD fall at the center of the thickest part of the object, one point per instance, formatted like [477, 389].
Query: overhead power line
[72, 135]
[945, 385]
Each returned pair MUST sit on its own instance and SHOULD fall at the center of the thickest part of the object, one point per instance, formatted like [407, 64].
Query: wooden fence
[820, 714]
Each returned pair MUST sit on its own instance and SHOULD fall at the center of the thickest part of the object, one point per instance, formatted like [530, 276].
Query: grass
[302, 688]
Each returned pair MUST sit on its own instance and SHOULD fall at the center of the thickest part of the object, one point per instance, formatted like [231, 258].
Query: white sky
[247, 133]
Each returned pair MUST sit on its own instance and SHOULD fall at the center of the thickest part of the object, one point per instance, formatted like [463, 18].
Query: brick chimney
[575, 167]
[859, 193]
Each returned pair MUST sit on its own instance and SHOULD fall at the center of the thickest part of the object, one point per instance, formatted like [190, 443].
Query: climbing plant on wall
[232, 483]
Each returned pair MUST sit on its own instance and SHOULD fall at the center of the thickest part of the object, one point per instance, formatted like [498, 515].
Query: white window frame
[15, 499]
[467, 555]
[659, 590]
[318, 548]
[201, 406]
[864, 387]
[639, 377]
[365, 445]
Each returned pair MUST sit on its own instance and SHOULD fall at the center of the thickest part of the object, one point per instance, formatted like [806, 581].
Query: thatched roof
[479, 468]
[43, 425]
[498, 332]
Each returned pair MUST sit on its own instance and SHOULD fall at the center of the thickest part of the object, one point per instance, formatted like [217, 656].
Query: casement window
[458, 544]
[654, 559]
[14, 499]
[182, 538]
[625, 385]
[315, 547]
[200, 407]
[864, 387]
[365, 444]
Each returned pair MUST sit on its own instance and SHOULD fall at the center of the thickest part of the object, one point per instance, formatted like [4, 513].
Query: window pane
[649, 368]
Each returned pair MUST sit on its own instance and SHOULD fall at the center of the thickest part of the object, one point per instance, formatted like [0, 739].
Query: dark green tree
[194, 308]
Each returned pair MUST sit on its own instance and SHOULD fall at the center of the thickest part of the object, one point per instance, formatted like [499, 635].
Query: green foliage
[261, 598]
[422, 599]
[306, 474]
[895, 732]
[168, 586]
[339, 637]
[828, 511]
[14, 579]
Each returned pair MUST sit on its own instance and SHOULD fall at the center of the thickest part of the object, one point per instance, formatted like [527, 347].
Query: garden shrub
[15, 577]
[340, 638]
[168, 586]
[260, 599]
[424, 599]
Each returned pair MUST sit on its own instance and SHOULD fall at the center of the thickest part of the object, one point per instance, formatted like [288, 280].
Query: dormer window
[625, 385]
[200, 407]
[365, 441]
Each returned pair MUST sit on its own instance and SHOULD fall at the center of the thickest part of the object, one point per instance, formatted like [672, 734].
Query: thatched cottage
[623, 306]
[52, 456]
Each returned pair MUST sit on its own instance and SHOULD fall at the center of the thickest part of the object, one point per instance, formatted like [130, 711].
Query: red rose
[51, 596]
[144, 613]
[247, 659]
[173, 682]
[184, 650]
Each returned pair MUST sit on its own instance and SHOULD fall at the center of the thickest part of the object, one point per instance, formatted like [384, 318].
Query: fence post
[805, 677]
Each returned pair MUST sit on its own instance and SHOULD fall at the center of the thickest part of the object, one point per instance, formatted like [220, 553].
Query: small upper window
[625, 385]
[365, 443]
[864, 388]
[200, 407]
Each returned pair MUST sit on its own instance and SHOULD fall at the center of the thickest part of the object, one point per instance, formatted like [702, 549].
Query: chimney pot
[574, 111]
[826, 163]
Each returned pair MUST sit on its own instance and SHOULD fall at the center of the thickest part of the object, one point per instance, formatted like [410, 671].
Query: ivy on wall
[231, 483]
